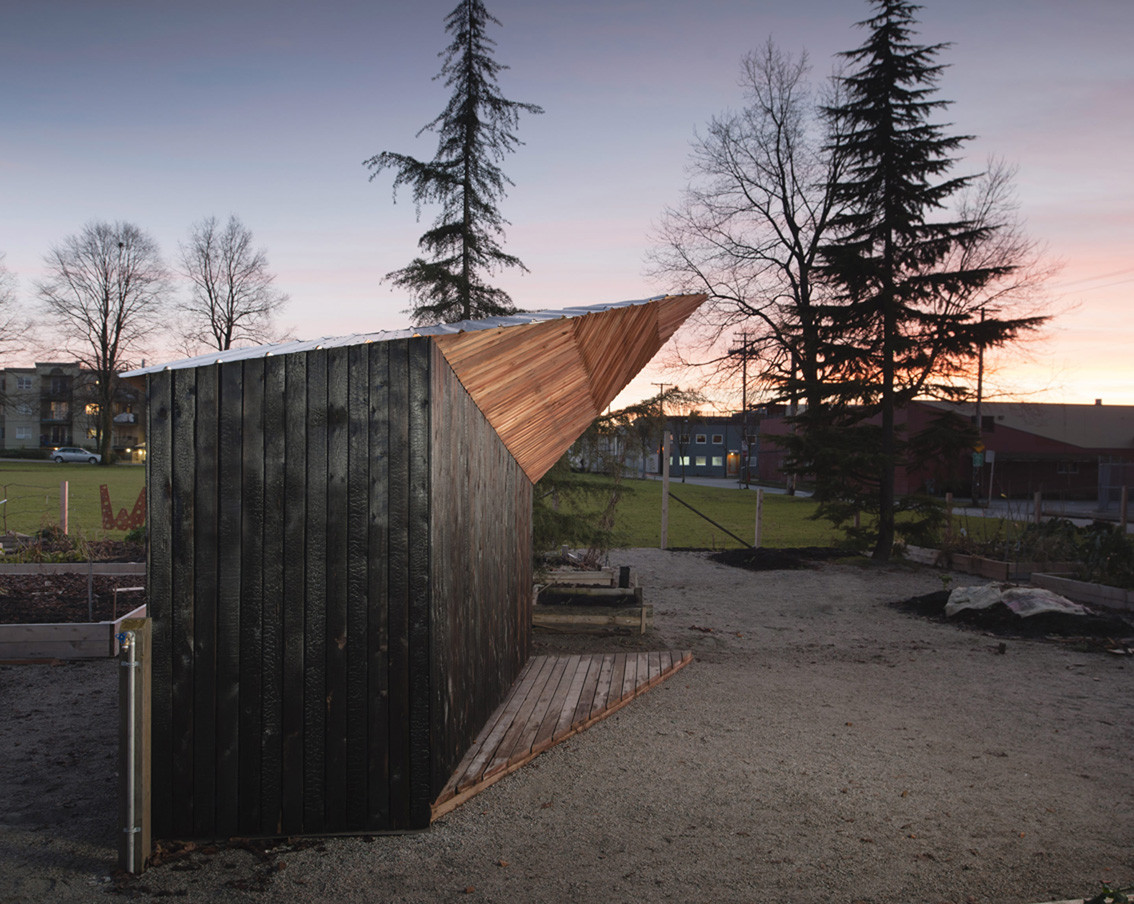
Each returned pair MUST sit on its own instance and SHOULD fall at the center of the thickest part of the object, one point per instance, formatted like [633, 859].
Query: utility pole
[743, 352]
[665, 426]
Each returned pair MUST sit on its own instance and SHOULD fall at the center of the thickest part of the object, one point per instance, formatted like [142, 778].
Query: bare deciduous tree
[232, 298]
[749, 227]
[105, 290]
[10, 327]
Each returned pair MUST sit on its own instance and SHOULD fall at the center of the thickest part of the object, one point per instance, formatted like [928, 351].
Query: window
[60, 411]
[1067, 467]
[718, 461]
[685, 461]
[92, 408]
[60, 385]
[700, 439]
[23, 433]
[24, 383]
[700, 461]
[683, 440]
[718, 439]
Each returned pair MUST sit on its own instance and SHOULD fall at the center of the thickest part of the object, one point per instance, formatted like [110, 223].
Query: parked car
[74, 453]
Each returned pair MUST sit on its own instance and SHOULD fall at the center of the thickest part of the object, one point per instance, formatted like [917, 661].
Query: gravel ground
[822, 747]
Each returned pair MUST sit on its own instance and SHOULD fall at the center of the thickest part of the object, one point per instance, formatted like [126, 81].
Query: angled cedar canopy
[339, 569]
[539, 378]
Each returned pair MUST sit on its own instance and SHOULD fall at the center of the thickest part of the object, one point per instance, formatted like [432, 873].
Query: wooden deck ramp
[554, 698]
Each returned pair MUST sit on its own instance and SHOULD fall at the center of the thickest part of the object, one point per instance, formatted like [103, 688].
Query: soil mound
[764, 559]
[1094, 631]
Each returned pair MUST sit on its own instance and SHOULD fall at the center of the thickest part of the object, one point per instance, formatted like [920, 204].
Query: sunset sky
[162, 112]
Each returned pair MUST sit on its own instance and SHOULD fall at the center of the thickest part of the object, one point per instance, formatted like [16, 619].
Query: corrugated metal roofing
[440, 329]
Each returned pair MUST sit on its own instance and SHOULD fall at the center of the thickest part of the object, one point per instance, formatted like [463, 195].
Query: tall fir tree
[475, 130]
[905, 317]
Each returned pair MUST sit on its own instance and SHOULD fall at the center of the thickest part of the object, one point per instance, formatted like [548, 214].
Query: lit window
[700, 461]
[718, 461]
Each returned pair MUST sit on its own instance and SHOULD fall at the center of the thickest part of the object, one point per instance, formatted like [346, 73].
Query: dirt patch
[777, 559]
[823, 744]
[36, 599]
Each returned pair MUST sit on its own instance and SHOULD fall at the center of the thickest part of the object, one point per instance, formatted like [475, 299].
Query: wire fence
[25, 508]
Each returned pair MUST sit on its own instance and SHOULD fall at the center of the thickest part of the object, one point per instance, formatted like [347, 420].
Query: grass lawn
[786, 519]
[32, 491]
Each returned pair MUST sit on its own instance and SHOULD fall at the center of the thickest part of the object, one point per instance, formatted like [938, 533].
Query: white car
[74, 453]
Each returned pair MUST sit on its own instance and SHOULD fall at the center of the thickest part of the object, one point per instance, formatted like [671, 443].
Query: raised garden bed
[62, 640]
[1085, 592]
[582, 600]
[67, 611]
[993, 569]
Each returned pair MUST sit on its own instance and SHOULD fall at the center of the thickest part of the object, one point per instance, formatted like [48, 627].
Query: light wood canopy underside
[541, 384]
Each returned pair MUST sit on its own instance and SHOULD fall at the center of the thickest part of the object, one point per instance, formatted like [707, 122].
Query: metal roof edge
[302, 345]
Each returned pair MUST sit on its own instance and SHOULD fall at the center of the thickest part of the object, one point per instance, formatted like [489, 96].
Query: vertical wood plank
[252, 735]
[294, 594]
[357, 589]
[204, 604]
[315, 621]
[378, 639]
[337, 636]
[159, 586]
[272, 636]
[420, 651]
[399, 584]
[229, 463]
[182, 626]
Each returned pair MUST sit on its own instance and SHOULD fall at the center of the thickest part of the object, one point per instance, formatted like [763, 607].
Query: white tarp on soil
[1024, 601]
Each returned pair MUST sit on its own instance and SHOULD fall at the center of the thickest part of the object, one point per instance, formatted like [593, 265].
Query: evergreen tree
[474, 132]
[905, 318]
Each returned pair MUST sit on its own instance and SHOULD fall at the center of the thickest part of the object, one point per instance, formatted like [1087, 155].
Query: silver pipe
[131, 648]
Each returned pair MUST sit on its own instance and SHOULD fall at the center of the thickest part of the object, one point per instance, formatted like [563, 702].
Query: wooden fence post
[64, 505]
[134, 713]
[668, 438]
[759, 516]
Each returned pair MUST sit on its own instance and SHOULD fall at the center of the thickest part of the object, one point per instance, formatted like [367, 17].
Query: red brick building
[1063, 451]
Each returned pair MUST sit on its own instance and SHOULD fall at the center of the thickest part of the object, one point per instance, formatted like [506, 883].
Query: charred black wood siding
[340, 586]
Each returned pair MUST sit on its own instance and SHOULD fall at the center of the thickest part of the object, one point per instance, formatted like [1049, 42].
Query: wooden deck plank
[525, 739]
[602, 689]
[546, 731]
[587, 696]
[575, 691]
[554, 698]
[614, 689]
[472, 766]
[502, 754]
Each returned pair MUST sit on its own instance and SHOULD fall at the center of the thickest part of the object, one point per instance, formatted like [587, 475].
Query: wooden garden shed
[340, 556]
